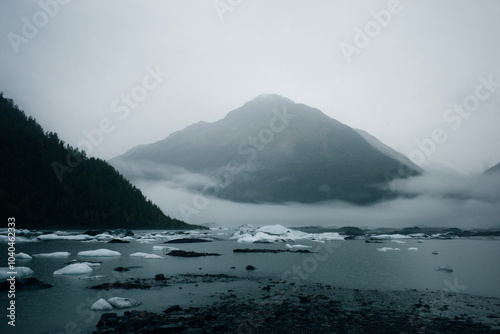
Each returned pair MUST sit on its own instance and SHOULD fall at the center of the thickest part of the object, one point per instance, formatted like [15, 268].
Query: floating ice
[413, 249]
[398, 241]
[20, 272]
[99, 253]
[53, 255]
[275, 233]
[74, 269]
[92, 277]
[164, 248]
[101, 305]
[444, 268]
[53, 236]
[120, 302]
[153, 257]
[386, 249]
[420, 241]
[4, 238]
[22, 256]
[146, 255]
[297, 246]
[435, 252]
[390, 236]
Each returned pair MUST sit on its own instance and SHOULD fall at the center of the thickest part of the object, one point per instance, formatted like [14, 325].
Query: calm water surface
[64, 308]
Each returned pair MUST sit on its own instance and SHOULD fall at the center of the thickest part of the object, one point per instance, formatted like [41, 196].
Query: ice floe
[445, 269]
[52, 255]
[74, 269]
[398, 241]
[120, 302]
[413, 249]
[390, 236]
[18, 272]
[22, 256]
[54, 236]
[99, 253]
[146, 255]
[288, 246]
[387, 249]
[164, 248]
[275, 233]
[101, 305]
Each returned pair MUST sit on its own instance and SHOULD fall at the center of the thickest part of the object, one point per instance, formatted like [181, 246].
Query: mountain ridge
[284, 151]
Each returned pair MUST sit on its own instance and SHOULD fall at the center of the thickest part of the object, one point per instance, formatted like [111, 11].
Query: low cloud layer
[435, 199]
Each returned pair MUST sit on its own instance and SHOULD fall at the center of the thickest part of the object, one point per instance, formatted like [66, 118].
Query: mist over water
[434, 199]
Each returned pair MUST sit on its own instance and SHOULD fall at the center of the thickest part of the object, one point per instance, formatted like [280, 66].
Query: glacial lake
[64, 308]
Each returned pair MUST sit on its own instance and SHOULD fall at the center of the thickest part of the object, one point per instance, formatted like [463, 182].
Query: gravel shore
[280, 307]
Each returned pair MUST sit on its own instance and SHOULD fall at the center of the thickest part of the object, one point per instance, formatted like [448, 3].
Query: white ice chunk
[164, 248]
[390, 236]
[386, 249]
[53, 236]
[74, 269]
[53, 255]
[120, 302]
[18, 272]
[139, 254]
[398, 241]
[297, 246]
[99, 253]
[413, 249]
[146, 255]
[274, 229]
[101, 305]
[22, 256]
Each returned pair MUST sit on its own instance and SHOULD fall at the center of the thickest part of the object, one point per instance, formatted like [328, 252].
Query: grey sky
[429, 56]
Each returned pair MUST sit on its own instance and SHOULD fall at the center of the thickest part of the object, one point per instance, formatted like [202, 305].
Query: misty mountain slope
[89, 194]
[493, 170]
[270, 150]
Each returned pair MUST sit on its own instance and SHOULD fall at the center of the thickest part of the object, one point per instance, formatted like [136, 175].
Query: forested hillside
[90, 194]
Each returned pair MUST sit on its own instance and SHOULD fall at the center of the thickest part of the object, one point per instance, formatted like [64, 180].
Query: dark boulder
[182, 253]
[187, 240]
[250, 267]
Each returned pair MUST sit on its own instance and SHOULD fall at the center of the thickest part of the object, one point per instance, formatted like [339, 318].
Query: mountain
[90, 192]
[271, 149]
[493, 170]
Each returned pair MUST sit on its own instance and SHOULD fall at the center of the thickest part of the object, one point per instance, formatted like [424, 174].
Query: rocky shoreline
[281, 307]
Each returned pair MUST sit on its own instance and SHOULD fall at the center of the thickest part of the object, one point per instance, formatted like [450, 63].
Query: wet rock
[250, 267]
[159, 277]
[121, 269]
[29, 283]
[118, 241]
[182, 253]
[187, 240]
[121, 232]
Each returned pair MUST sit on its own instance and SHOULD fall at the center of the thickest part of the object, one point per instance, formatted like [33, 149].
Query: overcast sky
[72, 65]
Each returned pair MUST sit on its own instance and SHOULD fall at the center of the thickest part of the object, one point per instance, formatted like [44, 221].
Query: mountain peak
[271, 98]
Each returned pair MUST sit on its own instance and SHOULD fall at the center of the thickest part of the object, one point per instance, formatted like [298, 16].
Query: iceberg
[101, 305]
[99, 253]
[120, 302]
[445, 269]
[53, 255]
[275, 233]
[164, 248]
[74, 269]
[20, 272]
[146, 255]
[413, 249]
[389, 236]
[386, 249]
[288, 246]
[53, 236]
[22, 256]
[398, 241]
